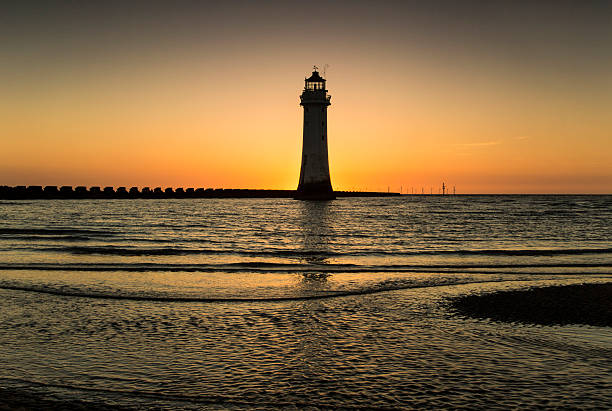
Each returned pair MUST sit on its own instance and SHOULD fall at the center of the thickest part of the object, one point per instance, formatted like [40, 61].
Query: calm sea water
[278, 303]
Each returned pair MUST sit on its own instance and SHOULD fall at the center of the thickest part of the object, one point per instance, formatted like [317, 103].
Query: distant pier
[82, 192]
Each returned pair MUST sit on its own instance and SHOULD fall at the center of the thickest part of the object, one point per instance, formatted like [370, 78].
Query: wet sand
[16, 400]
[588, 304]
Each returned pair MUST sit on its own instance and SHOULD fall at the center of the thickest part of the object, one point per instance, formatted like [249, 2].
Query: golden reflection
[314, 222]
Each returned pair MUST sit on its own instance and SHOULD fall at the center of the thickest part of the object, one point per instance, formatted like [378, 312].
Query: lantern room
[315, 82]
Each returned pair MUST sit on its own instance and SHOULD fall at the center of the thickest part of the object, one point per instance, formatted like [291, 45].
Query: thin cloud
[480, 144]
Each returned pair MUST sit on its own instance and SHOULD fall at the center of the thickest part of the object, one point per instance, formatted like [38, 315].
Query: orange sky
[209, 97]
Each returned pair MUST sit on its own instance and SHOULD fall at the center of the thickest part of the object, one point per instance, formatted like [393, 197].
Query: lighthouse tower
[315, 183]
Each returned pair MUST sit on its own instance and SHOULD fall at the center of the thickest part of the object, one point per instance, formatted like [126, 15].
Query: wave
[40, 237]
[168, 401]
[54, 231]
[528, 252]
[384, 286]
[136, 252]
[161, 251]
[77, 238]
[267, 267]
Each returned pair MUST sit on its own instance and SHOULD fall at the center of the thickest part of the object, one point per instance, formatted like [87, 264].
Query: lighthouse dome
[315, 77]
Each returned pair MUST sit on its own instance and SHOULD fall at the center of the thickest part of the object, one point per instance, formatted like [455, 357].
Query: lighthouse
[315, 183]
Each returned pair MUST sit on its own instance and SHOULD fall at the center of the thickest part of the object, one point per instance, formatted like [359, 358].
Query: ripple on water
[390, 349]
[382, 337]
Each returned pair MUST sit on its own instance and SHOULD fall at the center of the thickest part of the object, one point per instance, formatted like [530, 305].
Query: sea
[278, 303]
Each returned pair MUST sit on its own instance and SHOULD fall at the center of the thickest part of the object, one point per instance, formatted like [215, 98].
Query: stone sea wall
[82, 192]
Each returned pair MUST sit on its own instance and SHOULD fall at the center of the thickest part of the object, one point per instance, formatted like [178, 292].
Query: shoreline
[578, 304]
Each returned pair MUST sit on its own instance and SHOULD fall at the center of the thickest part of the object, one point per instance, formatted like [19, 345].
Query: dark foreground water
[279, 303]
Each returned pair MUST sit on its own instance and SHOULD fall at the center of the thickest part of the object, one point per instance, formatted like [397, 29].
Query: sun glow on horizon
[200, 105]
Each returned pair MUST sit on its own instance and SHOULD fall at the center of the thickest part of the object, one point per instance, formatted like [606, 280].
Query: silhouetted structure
[121, 192]
[50, 190]
[81, 192]
[66, 191]
[315, 182]
[34, 190]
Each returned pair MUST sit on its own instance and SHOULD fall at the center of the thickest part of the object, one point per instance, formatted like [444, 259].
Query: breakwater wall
[82, 192]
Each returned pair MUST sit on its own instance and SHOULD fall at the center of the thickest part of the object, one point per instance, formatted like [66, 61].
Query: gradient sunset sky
[490, 97]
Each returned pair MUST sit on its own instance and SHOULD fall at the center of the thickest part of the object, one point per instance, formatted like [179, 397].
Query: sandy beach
[277, 304]
[588, 304]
